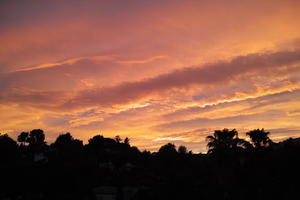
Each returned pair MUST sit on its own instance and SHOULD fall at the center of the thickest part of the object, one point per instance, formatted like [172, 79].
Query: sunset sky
[156, 71]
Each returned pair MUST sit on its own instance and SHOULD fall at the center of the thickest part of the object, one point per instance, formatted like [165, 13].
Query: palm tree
[225, 140]
[259, 138]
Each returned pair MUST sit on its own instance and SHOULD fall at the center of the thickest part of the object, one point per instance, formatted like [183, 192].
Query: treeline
[107, 168]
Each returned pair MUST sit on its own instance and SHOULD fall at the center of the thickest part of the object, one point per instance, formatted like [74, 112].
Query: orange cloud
[219, 72]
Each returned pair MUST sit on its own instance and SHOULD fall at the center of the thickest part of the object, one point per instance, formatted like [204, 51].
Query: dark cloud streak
[216, 73]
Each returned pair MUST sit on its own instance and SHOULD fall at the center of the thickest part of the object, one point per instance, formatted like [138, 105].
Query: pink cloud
[209, 74]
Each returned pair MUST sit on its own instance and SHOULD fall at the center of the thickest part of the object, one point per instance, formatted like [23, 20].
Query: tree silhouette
[8, 148]
[171, 173]
[96, 140]
[96, 145]
[67, 140]
[118, 139]
[126, 141]
[67, 146]
[36, 137]
[259, 138]
[167, 149]
[63, 140]
[225, 140]
[23, 137]
[182, 150]
[101, 147]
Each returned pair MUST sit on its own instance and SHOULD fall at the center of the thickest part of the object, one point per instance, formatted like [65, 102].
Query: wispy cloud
[168, 139]
[142, 61]
[217, 73]
[63, 63]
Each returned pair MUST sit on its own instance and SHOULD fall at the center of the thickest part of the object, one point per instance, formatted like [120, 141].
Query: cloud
[230, 122]
[81, 60]
[210, 74]
[64, 63]
[267, 111]
[280, 134]
[38, 99]
[168, 139]
[244, 105]
[142, 61]
[79, 73]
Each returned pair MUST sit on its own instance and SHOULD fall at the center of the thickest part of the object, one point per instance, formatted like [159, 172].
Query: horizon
[164, 141]
[153, 71]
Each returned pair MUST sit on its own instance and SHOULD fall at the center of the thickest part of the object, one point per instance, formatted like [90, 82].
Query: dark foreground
[108, 169]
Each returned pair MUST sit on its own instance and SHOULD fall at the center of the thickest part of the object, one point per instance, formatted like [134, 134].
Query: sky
[156, 71]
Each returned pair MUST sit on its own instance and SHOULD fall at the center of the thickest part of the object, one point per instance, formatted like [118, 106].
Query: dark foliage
[108, 168]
